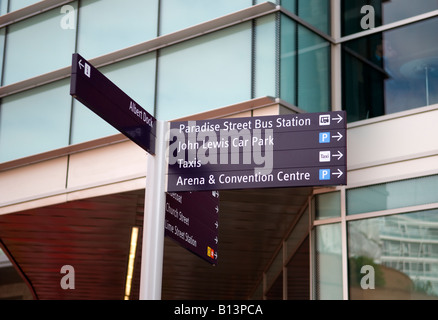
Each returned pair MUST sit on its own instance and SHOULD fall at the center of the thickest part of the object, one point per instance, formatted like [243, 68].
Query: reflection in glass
[328, 205]
[313, 72]
[391, 71]
[401, 254]
[385, 12]
[392, 195]
[304, 67]
[328, 262]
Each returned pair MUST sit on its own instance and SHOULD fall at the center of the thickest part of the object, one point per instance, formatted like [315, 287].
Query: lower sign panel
[194, 229]
[278, 178]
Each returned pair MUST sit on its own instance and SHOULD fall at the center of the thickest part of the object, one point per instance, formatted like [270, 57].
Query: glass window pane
[316, 12]
[87, 125]
[290, 5]
[328, 205]
[110, 25]
[177, 14]
[265, 57]
[3, 7]
[35, 121]
[304, 67]
[394, 257]
[19, 4]
[204, 73]
[136, 77]
[313, 72]
[36, 46]
[393, 195]
[384, 12]
[328, 262]
[391, 71]
[288, 53]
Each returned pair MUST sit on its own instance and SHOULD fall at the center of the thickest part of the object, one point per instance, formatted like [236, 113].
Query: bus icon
[324, 120]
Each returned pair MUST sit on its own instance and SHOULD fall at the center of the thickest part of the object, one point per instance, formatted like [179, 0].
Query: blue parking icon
[324, 137]
[324, 174]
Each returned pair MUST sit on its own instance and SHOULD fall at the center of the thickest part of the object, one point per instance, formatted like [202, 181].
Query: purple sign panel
[94, 90]
[258, 152]
[192, 220]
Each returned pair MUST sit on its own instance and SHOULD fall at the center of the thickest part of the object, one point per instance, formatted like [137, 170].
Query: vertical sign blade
[192, 220]
[89, 86]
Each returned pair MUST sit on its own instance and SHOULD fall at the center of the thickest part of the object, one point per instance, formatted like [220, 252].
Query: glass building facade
[272, 55]
[374, 59]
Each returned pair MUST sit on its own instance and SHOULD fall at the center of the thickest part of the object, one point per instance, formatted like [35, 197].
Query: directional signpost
[98, 93]
[258, 152]
[210, 155]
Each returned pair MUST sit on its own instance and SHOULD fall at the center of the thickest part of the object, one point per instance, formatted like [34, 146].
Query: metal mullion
[335, 57]
[344, 245]
[312, 251]
[253, 58]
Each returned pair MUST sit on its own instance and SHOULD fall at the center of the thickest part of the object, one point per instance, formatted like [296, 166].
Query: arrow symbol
[216, 240]
[215, 255]
[339, 173]
[339, 155]
[339, 136]
[216, 224]
[80, 64]
[215, 194]
[217, 209]
[338, 118]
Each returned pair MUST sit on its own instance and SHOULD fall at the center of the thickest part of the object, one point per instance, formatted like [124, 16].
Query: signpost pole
[153, 224]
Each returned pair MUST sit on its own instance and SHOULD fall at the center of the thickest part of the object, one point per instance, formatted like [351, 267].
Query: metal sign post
[103, 97]
[153, 223]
